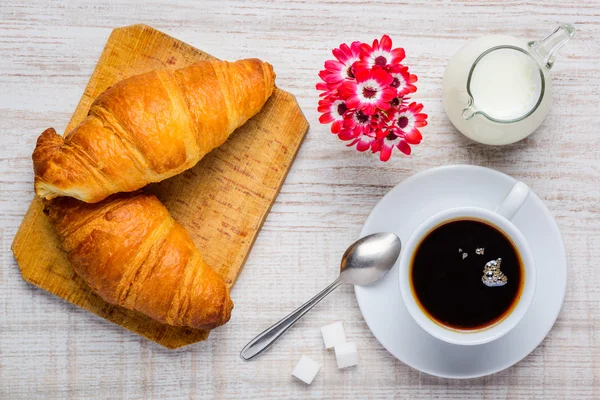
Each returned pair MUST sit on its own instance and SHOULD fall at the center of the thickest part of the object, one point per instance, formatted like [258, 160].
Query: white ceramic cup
[500, 219]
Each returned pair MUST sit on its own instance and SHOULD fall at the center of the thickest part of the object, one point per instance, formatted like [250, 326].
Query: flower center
[341, 108]
[361, 117]
[369, 92]
[391, 136]
[381, 61]
[402, 122]
[395, 102]
[350, 73]
[395, 83]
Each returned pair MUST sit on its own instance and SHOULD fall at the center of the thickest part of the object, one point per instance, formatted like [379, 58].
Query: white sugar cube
[306, 369]
[333, 334]
[346, 355]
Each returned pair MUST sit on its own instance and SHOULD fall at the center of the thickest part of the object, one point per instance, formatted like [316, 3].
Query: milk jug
[497, 89]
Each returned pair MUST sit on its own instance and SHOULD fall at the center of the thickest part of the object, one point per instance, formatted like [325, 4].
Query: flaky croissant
[150, 127]
[131, 252]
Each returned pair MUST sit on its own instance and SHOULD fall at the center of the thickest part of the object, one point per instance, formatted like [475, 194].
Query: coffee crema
[446, 274]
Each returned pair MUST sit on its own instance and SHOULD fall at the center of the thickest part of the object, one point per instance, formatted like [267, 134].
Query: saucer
[408, 205]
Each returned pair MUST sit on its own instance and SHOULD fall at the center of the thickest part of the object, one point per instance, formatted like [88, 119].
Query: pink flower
[355, 124]
[364, 97]
[403, 81]
[402, 133]
[381, 53]
[360, 128]
[370, 91]
[385, 143]
[406, 122]
[333, 110]
[364, 142]
[336, 71]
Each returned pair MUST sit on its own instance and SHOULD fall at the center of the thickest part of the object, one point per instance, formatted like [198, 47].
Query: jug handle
[545, 50]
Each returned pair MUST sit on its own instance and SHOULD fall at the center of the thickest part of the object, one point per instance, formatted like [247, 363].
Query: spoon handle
[264, 340]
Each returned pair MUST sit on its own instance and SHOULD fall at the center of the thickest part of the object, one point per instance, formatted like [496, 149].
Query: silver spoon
[364, 262]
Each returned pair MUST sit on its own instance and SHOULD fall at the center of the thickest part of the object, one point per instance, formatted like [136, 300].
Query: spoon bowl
[368, 259]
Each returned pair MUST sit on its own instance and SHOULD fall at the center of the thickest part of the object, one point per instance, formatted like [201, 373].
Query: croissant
[132, 253]
[150, 127]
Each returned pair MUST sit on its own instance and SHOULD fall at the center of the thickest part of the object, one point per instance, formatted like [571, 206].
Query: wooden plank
[222, 201]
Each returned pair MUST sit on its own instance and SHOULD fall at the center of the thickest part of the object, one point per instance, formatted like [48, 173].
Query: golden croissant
[150, 127]
[131, 252]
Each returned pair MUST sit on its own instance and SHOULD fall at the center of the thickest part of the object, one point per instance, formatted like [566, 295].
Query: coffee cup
[500, 220]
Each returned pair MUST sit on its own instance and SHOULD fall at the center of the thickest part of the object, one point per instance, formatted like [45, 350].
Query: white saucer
[401, 211]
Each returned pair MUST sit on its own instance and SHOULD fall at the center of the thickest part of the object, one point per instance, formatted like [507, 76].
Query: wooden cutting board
[223, 201]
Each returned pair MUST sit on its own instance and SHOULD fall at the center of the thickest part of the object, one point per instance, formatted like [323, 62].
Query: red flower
[385, 143]
[381, 53]
[364, 98]
[406, 122]
[360, 128]
[403, 81]
[336, 71]
[370, 91]
[355, 124]
[402, 133]
[364, 142]
[333, 110]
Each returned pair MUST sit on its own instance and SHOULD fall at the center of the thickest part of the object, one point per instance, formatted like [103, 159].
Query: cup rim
[487, 334]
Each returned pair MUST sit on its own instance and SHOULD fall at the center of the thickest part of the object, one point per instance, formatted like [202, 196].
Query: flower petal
[415, 108]
[333, 66]
[341, 53]
[386, 43]
[381, 77]
[376, 45]
[352, 102]
[382, 104]
[361, 74]
[346, 134]
[376, 145]
[347, 89]
[355, 48]
[413, 137]
[366, 50]
[324, 73]
[326, 118]
[388, 94]
[386, 153]
[368, 108]
[337, 125]
[363, 145]
[398, 55]
[323, 108]
[403, 147]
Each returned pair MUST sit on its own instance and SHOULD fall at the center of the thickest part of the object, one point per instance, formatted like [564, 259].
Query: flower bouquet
[365, 98]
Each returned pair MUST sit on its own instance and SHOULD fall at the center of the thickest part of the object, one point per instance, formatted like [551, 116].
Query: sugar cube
[346, 355]
[306, 369]
[333, 334]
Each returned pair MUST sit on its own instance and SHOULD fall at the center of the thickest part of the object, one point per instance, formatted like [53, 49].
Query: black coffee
[447, 270]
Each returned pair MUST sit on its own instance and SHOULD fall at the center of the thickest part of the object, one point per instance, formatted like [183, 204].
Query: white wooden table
[51, 349]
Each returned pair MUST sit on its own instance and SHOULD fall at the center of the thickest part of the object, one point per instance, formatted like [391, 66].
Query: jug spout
[545, 50]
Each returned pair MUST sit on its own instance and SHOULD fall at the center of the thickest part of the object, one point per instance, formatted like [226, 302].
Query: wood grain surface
[50, 349]
[222, 201]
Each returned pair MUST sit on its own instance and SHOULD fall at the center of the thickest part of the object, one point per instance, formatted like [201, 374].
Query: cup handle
[513, 201]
